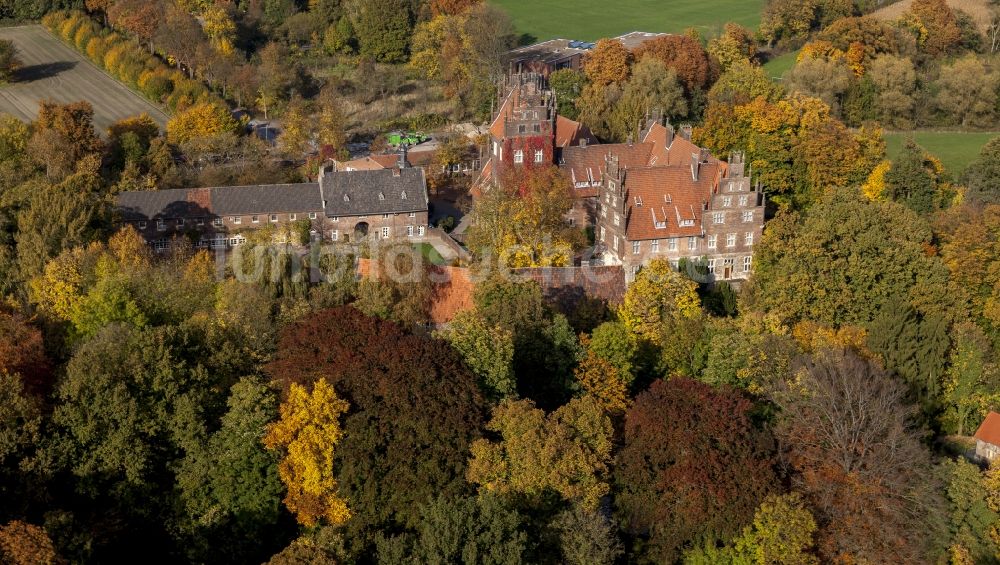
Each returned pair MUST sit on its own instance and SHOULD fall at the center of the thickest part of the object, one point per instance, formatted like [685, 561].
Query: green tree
[487, 350]
[657, 293]
[10, 62]
[614, 343]
[230, 492]
[525, 463]
[383, 29]
[470, 531]
[972, 522]
[652, 87]
[567, 84]
[841, 261]
[970, 384]
[909, 182]
[983, 175]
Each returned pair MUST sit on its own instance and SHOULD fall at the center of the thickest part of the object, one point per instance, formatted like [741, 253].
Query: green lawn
[430, 254]
[955, 149]
[781, 64]
[590, 20]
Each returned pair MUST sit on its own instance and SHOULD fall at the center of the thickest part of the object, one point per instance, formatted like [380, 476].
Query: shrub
[97, 47]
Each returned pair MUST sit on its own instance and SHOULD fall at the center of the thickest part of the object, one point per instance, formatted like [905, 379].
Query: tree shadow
[32, 73]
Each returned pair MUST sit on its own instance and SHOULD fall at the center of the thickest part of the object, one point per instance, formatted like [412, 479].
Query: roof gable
[989, 430]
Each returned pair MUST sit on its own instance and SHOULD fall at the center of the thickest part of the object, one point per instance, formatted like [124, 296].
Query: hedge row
[128, 61]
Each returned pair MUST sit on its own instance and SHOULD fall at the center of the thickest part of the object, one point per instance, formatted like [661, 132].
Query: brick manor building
[342, 206]
[659, 197]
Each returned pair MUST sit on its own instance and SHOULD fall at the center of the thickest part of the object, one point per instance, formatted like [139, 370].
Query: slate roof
[365, 193]
[166, 204]
[264, 199]
[989, 430]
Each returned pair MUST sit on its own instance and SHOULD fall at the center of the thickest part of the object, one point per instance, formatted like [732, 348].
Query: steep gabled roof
[665, 196]
[570, 132]
[165, 204]
[989, 430]
[384, 191]
[586, 164]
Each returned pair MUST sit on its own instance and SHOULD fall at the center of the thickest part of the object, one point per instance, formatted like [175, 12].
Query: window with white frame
[385, 216]
[727, 201]
[539, 156]
[617, 220]
[743, 200]
[409, 231]
[274, 217]
[420, 230]
[412, 215]
[142, 225]
[748, 239]
[237, 219]
[604, 211]
[292, 217]
[335, 235]
[334, 219]
[385, 232]
[518, 156]
[180, 222]
[730, 240]
[496, 148]
[672, 244]
[748, 216]
[615, 246]
[655, 246]
[675, 264]
[711, 266]
[160, 244]
[712, 239]
[255, 219]
[603, 236]
[312, 215]
[160, 225]
[636, 247]
[718, 218]
[199, 221]
[692, 243]
[747, 263]
[217, 222]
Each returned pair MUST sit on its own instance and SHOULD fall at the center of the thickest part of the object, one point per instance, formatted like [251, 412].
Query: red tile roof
[497, 127]
[989, 430]
[665, 196]
[570, 132]
[452, 292]
[587, 163]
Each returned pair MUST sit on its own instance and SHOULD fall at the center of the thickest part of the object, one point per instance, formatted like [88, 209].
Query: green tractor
[409, 138]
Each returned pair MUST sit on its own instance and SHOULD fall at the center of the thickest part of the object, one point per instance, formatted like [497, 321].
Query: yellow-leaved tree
[203, 119]
[307, 432]
[658, 292]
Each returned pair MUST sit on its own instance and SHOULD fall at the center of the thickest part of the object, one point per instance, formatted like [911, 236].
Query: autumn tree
[652, 87]
[848, 436]
[682, 54]
[967, 92]
[896, 81]
[787, 20]
[414, 411]
[203, 119]
[741, 83]
[586, 537]
[970, 385]
[603, 382]
[827, 80]
[307, 433]
[488, 350]
[519, 222]
[22, 352]
[972, 523]
[657, 293]
[936, 25]
[22, 543]
[693, 468]
[524, 463]
[736, 44]
[608, 62]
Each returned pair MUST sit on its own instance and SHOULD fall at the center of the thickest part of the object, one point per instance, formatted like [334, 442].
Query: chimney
[695, 166]
[686, 131]
[395, 172]
[670, 135]
[703, 155]
[583, 142]
[402, 163]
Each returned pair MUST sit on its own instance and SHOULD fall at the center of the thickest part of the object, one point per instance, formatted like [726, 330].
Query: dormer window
[402, 195]
[638, 201]
[661, 225]
[347, 198]
[687, 223]
[381, 196]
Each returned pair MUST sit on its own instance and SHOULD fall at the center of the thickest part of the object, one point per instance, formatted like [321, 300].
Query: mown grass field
[955, 149]
[778, 66]
[590, 20]
[54, 71]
